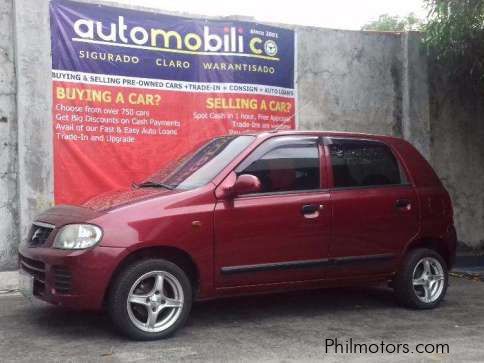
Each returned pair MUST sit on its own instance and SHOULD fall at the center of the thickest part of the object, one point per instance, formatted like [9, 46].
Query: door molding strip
[289, 265]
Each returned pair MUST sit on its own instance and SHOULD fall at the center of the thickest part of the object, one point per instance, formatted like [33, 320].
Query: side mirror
[246, 184]
[233, 186]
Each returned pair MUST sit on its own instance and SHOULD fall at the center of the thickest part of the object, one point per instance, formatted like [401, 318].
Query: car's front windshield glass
[199, 167]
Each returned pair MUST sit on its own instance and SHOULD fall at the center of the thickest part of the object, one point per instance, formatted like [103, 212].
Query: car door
[375, 208]
[282, 232]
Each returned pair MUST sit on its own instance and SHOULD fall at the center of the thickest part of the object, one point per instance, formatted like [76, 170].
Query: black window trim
[319, 140]
[285, 192]
[386, 186]
[328, 140]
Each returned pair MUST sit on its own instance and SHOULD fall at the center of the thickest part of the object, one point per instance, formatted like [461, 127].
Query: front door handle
[311, 210]
[403, 204]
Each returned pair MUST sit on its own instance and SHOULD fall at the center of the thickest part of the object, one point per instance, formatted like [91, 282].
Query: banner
[133, 90]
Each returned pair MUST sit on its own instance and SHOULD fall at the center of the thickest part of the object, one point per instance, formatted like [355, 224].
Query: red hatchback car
[249, 214]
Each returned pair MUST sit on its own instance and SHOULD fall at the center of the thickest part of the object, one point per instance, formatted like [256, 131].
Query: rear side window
[358, 163]
[285, 164]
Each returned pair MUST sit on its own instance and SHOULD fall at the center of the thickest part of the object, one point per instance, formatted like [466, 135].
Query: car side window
[285, 163]
[361, 163]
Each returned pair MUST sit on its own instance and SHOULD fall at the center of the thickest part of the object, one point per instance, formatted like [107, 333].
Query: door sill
[267, 288]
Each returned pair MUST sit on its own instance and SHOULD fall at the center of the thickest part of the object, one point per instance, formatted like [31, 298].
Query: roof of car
[326, 133]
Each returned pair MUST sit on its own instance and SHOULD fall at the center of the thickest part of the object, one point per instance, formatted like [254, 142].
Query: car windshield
[199, 167]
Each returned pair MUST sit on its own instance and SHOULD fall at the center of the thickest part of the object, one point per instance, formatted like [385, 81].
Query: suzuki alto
[248, 214]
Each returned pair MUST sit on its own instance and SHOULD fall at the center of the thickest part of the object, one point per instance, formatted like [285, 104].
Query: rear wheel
[150, 299]
[422, 280]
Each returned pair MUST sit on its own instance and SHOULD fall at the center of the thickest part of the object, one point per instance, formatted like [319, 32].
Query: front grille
[62, 279]
[39, 233]
[37, 270]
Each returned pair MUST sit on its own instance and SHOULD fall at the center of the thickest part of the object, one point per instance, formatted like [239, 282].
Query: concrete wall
[34, 97]
[457, 153]
[346, 80]
[363, 81]
[349, 81]
[8, 140]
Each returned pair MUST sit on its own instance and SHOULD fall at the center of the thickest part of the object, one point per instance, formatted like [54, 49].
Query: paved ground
[285, 327]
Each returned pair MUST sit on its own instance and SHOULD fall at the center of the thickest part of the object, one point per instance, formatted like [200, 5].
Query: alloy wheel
[155, 301]
[428, 279]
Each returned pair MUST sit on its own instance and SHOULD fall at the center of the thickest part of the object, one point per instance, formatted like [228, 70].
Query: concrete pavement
[287, 327]
[8, 281]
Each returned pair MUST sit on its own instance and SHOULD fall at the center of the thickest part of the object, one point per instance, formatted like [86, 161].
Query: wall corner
[415, 93]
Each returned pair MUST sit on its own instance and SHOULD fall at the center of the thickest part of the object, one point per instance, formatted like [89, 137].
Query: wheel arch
[173, 254]
[437, 244]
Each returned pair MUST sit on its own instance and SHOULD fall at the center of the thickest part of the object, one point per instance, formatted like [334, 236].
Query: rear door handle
[404, 204]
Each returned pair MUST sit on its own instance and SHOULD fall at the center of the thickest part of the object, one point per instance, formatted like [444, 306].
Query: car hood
[95, 207]
[111, 200]
[66, 214]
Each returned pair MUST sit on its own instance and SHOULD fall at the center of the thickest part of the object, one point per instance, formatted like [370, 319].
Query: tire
[160, 299]
[412, 288]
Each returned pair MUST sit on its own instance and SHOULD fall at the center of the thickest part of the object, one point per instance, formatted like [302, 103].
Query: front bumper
[72, 279]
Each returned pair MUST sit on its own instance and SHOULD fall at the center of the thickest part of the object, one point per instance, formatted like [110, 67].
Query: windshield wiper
[152, 184]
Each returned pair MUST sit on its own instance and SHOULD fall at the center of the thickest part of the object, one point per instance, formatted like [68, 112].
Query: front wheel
[421, 282]
[150, 299]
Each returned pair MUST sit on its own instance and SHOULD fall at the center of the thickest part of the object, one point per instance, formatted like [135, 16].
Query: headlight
[78, 236]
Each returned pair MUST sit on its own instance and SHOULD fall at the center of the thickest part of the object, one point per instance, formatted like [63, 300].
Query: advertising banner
[133, 90]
